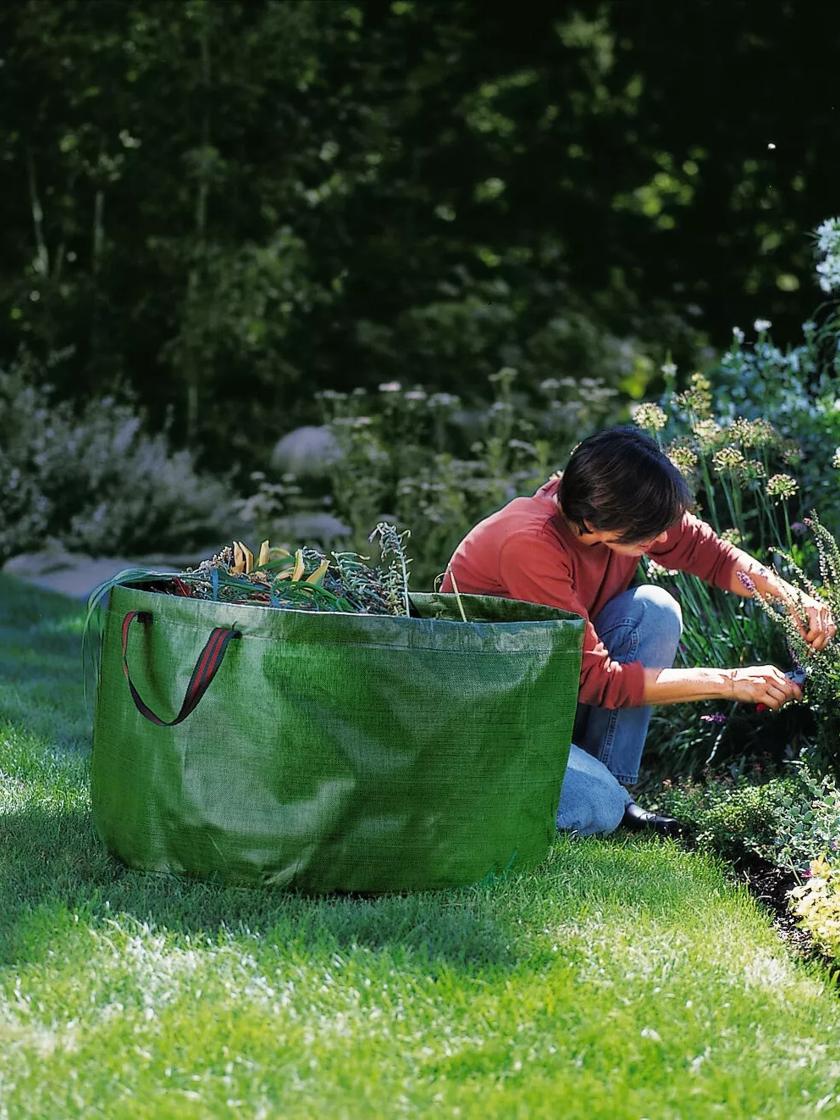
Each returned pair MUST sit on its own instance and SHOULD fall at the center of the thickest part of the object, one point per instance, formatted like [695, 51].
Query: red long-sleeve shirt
[527, 551]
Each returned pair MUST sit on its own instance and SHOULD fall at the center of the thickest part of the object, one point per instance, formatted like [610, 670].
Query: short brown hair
[620, 480]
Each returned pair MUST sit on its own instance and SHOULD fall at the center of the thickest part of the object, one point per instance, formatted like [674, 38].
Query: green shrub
[730, 817]
[786, 820]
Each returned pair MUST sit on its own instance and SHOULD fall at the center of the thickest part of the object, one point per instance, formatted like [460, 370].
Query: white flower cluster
[781, 486]
[649, 416]
[828, 246]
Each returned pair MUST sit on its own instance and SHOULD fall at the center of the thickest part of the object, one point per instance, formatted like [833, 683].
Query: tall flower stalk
[823, 666]
[739, 469]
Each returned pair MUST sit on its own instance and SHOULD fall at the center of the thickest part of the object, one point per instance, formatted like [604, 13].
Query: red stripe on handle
[207, 666]
[210, 650]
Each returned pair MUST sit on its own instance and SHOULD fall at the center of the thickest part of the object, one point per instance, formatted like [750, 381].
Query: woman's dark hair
[619, 480]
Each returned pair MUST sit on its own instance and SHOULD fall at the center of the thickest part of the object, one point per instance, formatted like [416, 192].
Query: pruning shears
[797, 675]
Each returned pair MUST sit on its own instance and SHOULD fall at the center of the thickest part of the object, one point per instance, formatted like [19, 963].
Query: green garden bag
[332, 752]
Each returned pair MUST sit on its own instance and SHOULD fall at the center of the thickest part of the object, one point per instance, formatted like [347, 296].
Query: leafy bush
[785, 820]
[732, 817]
[95, 480]
[792, 821]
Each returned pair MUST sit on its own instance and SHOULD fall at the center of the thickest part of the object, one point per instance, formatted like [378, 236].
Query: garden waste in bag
[328, 751]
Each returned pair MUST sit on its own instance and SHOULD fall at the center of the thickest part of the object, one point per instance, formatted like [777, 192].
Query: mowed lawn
[624, 979]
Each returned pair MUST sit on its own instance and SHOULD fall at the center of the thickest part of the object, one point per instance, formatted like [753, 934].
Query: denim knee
[661, 623]
[591, 800]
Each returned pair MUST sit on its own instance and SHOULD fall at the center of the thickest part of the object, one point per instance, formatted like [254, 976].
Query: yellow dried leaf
[319, 573]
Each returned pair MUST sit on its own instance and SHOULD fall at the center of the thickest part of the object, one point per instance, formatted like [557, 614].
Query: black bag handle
[207, 666]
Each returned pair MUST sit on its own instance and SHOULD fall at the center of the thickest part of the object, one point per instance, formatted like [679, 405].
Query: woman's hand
[814, 620]
[812, 616]
[762, 684]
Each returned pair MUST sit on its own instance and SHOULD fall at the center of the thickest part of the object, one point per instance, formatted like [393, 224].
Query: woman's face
[608, 537]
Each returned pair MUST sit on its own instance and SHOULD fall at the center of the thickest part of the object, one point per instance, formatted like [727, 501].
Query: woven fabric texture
[335, 752]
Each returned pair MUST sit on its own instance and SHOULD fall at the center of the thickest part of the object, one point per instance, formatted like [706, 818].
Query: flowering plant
[753, 435]
[740, 469]
[828, 250]
[822, 666]
[816, 903]
[439, 464]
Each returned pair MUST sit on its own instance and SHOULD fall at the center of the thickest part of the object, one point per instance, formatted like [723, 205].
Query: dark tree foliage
[228, 204]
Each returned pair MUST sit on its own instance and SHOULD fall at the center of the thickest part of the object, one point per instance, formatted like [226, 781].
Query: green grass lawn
[624, 979]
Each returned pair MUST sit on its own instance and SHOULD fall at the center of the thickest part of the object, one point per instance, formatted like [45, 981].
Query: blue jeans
[642, 624]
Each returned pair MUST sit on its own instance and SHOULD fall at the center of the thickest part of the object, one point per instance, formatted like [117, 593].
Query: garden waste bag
[332, 751]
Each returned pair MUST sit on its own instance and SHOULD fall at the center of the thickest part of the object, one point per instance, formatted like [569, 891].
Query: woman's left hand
[814, 621]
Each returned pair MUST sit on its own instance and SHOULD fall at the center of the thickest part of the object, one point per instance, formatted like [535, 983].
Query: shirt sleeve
[693, 546]
[539, 575]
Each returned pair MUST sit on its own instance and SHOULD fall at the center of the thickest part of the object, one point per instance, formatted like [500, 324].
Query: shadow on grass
[54, 863]
[56, 879]
[41, 666]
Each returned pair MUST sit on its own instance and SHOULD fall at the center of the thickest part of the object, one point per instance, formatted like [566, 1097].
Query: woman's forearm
[677, 686]
[749, 684]
[765, 579]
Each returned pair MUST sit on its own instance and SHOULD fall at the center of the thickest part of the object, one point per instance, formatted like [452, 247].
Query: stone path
[76, 575]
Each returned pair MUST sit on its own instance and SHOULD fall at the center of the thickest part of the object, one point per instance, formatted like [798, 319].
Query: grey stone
[308, 452]
[303, 528]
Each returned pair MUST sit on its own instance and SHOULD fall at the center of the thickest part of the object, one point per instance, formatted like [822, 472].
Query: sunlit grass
[624, 979]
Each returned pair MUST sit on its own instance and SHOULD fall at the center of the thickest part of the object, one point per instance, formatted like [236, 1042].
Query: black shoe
[640, 820]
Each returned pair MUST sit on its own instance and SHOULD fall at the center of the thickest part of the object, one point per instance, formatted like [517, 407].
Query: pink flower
[715, 717]
[746, 581]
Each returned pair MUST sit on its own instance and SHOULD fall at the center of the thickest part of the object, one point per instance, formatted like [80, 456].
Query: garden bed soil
[770, 886]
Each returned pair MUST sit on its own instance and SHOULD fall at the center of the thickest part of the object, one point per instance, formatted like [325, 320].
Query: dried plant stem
[457, 593]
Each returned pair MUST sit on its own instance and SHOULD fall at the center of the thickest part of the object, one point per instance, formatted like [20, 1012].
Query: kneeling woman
[576, 544]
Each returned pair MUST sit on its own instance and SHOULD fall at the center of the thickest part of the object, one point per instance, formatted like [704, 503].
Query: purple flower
[746, 581]
[715, 717]
[799, 528]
